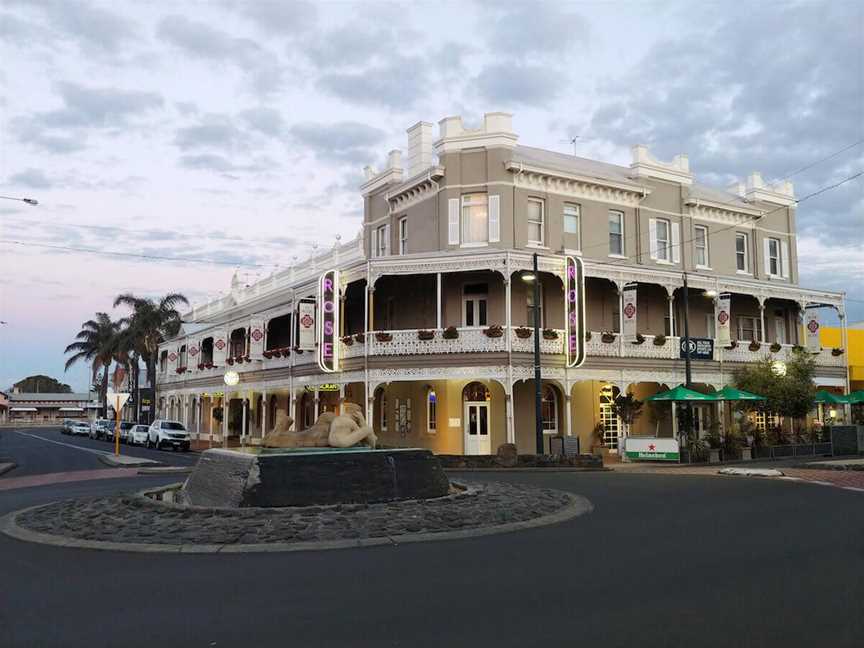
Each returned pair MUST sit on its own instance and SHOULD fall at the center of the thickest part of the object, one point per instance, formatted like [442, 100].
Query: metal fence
[793, 450]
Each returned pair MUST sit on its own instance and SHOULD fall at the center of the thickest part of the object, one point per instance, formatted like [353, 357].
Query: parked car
[125, 426]
[137, 435]
[102, 429]
[79, 427]
[67, 426]
[168, 433]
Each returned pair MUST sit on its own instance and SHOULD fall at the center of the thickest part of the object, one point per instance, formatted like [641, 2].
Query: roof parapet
[645, 165]
[780, 193]
[391, 175]
[497, 130]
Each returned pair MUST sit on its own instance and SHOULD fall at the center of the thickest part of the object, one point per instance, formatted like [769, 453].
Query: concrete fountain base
[262, 477]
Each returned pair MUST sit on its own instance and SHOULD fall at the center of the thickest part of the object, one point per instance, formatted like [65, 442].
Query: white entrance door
[701, 419]
[474, 311]
[779, 330]
[477, 441]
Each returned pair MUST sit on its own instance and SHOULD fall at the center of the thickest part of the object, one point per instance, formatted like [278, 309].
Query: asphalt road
[662, 561]
[45, 450]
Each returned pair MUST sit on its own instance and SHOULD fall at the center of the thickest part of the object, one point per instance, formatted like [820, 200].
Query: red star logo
[651, 447]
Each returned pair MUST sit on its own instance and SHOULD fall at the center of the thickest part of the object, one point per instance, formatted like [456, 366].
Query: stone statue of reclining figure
[343, 431]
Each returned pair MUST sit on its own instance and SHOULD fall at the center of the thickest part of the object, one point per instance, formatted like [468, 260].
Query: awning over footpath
[23, 409]
[680, 393]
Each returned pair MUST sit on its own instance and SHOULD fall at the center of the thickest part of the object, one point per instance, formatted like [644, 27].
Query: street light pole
[538, 381]
[688, 371]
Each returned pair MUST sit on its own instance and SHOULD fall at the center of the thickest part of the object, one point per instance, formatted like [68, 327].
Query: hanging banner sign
[306, 325]
[256, 338]
[629, 311]
[328, 321]
[723, 318]
[575, 310]
[192, 353]
[173, 359]
[220, 348]
[812, 326]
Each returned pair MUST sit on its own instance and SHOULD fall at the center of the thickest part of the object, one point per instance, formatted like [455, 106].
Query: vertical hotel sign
[575, 307]
[328, 321]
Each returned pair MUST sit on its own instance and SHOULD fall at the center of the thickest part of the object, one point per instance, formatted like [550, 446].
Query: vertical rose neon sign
[575, 309]
[328, 321]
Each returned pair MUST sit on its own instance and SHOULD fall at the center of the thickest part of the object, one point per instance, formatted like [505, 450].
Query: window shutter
[676, 243]
[453, 221]
[494, 219]
[652, 235]
[766, 246]
[784, 259]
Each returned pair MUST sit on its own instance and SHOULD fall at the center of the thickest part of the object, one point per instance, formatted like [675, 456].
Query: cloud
[262, 68]
[266, 121]
[518, 84]
[533, 30]
[398, 84]
[286, 18]
[215, 131]
[342, 142]
[33, 178]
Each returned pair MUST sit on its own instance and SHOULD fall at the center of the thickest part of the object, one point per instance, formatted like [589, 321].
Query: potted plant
[494, 331]
[608, 337]
[523, 332]
[659, 340]
[714, 442]
[248, 358]
[732, 344]
[424, 334]
[775, 347]
[627, 408]
[287, 352]
[587, 336]
[382, 336]
[359, 337]
[201, 366]
[639, 339]
[230, 361]
[599, 438]
[347, 340]
[209, 365]
[550, 334]
[836, 351]
[267, 353]
[450, 333]
[754, 346]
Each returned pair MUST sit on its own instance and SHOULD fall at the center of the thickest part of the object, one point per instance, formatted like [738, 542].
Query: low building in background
[430, 329]
[51, 408]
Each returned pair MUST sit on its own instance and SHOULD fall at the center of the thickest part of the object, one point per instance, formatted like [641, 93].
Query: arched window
[475, 392]
[549, 409]
[431, 411]
[611, 422]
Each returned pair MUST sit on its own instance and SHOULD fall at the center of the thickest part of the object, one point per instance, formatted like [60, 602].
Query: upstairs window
[475, 219]
[572, 218]
[773, 257]
[536, 213]
[741, 263]
[616, 233]
[380, 242]
[700, 245]
[403, 235]
[662, 238]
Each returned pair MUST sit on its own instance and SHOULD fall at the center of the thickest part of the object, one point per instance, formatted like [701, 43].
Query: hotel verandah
[438, 266]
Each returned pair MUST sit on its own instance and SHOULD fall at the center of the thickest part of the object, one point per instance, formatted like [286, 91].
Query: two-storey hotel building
[433, 308]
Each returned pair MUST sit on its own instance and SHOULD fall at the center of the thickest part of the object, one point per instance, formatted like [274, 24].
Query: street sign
[700, 348]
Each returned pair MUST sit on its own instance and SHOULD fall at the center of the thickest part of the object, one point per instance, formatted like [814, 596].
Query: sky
[232, 134]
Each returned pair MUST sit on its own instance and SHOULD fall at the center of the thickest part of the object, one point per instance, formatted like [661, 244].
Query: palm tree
[149, 324]
[97, 343]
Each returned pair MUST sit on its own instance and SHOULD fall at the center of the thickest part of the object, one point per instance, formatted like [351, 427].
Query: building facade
[50, 408]
[434, 310]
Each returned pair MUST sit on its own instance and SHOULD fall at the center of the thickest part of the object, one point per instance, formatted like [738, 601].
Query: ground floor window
[549, 409]
[611, 423]
[765, 421]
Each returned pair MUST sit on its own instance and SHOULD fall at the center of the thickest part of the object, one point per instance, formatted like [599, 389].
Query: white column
[341, 396]
[263, 413]
[245, 406]
[438, 300]
[762, 336]
[620, 335]
[675, 424]
[317, 401]
[844, 342]
[511, 430]
[292, 409]
[225, 408]
[670, 297]
[369, 401]
[567, 416]
[199, 405]
[508, 315]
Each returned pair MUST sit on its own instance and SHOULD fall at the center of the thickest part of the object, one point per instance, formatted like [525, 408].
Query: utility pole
[538, 381]
[688, 370]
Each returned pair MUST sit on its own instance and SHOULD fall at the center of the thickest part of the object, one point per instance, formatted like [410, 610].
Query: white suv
[168, 433]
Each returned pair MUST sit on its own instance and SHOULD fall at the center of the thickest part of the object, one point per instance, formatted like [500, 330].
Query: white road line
[68, 445]
[853, 488]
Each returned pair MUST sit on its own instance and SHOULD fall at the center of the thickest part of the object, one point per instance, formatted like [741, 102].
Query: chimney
[394, 159]
[419, 148]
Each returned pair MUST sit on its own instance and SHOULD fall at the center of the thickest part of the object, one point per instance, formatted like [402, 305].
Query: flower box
[775, 348]
[450, 333]
[608, 337]
[247, 359]
[494, 331]
[550, 334]
[659, 340]
[732, 344]
[425, 335]
[523, 332]
[360, 337]
[836, 351]
[267, 354]
[230, 361]
[201, 366]
[588, 336]
[381, 336]
[209, 365]
[754, 346]
[347, 340]
[640, 339]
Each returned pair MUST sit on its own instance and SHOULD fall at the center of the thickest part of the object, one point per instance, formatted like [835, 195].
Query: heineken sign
[575, 307]
[651, 449]
[328, 321]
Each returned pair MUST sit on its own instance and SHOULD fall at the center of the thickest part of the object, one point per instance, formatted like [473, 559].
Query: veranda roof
[23, 409]
[856, 397]
[729, 393]
[824, 396]
[680, 393]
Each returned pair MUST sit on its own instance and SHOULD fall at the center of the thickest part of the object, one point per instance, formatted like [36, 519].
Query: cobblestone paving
[140, 520]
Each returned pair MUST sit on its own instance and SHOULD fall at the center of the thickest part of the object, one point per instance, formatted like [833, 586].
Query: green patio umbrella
[680, 393]
[856, 397]
[729, 393]
[823, 396]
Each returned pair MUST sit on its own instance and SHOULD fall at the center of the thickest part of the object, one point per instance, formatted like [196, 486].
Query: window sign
[575, 307]
[328, 321]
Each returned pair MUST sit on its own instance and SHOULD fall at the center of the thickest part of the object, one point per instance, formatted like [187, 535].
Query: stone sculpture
[343, 431]
[350, 429]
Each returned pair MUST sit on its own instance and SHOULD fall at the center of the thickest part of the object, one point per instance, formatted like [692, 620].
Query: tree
[149, 324]
[97, 343]
[627, 408]
[40, 384]
[790, 394]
